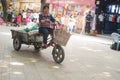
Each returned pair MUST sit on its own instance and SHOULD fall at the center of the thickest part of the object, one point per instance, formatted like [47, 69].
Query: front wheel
[58, 54]
[17, 43]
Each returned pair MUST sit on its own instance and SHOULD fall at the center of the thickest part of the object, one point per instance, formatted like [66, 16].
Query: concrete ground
[87, 58]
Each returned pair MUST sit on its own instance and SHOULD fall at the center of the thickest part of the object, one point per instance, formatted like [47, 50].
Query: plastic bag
[35, 27]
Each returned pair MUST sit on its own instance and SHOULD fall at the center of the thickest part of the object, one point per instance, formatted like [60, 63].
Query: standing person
[35, 16]
[89, 19]
[53, 13]
[18, 20]
[9, 16]
[78, 23]
[101, 22]
[72, 24]
[32, 15]
[28, 19]
[24, 17]
[1, 14]
[62, 21]
[45, 19]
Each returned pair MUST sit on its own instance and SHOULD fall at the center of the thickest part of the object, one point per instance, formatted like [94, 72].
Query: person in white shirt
[72, 24]
[62, 20]
[24, 15]
[36, 16]
[101, 23]
[118, 19]
[101, 17]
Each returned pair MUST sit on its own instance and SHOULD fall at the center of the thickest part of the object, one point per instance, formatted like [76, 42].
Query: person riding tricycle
[46, 20]
[47, 30]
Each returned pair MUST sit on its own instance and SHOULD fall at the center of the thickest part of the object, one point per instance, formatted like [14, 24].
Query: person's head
[23, 11]
[19, 14]
[101, 12]
[11, 12]
[31, 11]
[89, 12]
[71, 16]
[46, 9]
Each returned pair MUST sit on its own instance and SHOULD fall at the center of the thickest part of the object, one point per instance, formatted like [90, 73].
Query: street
[86, 58]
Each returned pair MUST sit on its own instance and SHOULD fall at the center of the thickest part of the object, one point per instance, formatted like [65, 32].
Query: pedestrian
[62, 21]
[101, 22]
[9, 18]
[32, 15]
[28, 19]
[1, 13]
[71, 24]
[18, 20]
[24, 14]
[1, 17]
[89, 19]
[35, 17]
[1, 21]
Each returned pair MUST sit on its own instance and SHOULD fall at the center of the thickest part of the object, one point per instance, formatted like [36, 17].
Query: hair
[90, 12]
[19, 14]
[46, 6]
[72, 16]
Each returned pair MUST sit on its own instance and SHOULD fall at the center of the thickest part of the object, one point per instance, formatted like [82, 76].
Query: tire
[114, 46]
[17, 43]
[58, 54]
[36, 46]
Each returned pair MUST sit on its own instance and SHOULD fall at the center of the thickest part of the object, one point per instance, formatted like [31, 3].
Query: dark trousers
[101, 27]
[45, 31]
[87, 27]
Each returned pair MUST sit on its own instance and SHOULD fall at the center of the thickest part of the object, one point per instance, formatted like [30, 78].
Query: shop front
[30, 4]
[24, 4]
[112, 18]
[67, 7]
[111, 11]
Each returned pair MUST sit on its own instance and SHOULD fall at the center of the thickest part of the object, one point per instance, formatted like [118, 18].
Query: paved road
[87, 58]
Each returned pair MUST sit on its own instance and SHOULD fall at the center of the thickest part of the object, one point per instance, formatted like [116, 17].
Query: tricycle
[19, 37]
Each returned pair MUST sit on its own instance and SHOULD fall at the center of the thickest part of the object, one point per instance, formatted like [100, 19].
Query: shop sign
[30, 0]
[78, 8]
[60, 8]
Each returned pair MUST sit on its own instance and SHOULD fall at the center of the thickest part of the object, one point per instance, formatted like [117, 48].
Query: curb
[104, 36]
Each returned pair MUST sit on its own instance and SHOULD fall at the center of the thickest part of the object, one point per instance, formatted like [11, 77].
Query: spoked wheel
[17, 43]
[58, 54]
[37, 46]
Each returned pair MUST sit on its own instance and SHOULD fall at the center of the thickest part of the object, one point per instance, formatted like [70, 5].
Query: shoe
[52, 44]
[44, 45]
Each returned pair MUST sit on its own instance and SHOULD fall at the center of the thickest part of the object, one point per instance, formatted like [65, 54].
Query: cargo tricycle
[19, 37]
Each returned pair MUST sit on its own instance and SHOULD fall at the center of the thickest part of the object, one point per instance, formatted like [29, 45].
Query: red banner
[80, 2]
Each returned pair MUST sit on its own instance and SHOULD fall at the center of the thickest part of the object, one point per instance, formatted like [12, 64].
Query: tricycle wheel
[17, 43]
[37, 46]
[58, 54]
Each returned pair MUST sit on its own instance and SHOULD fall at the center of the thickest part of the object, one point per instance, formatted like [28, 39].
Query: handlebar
[55, 24]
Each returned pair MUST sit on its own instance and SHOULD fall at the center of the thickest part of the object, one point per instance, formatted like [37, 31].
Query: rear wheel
[17, 43]
[58, 54]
